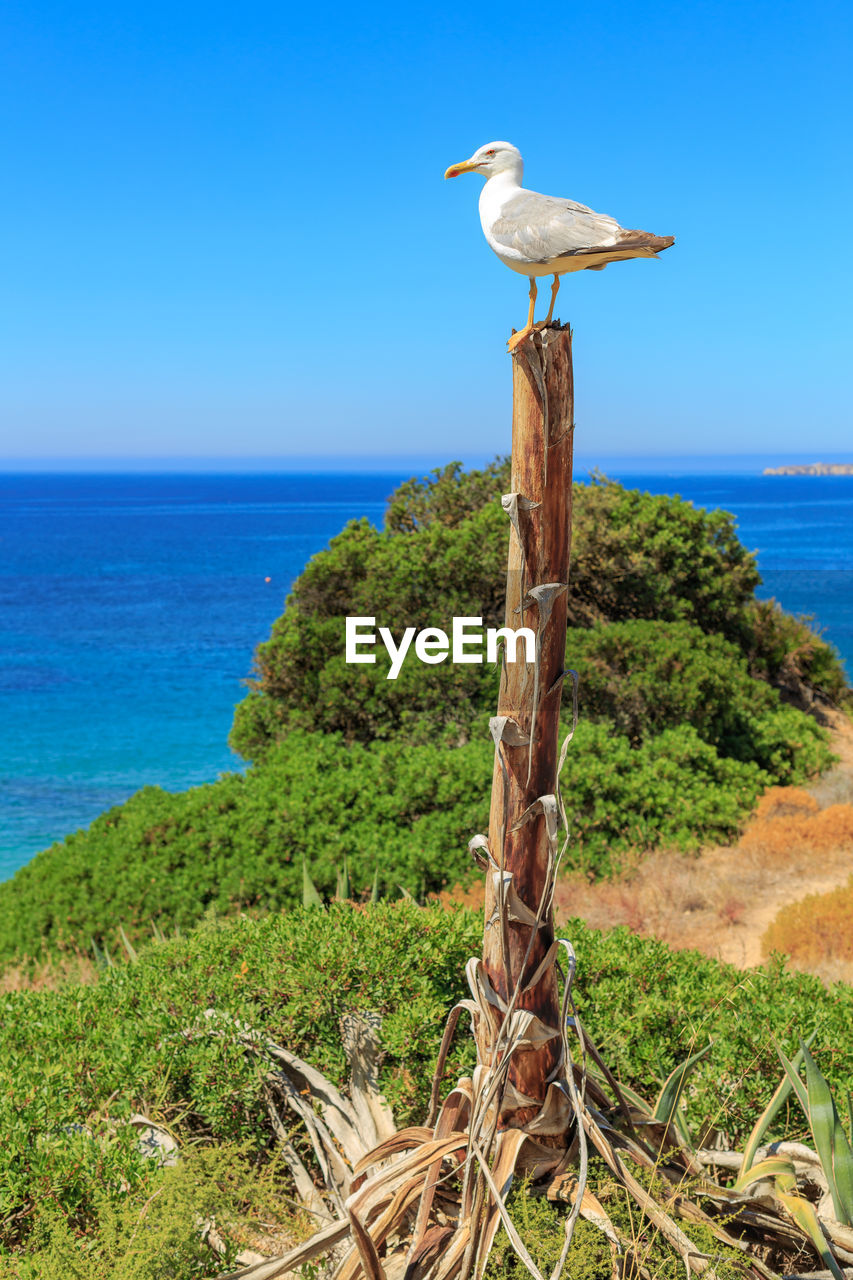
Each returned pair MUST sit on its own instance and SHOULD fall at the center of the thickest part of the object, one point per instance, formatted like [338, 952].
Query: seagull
[538, 235]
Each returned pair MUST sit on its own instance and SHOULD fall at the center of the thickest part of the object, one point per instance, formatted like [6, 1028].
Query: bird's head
[490, 159]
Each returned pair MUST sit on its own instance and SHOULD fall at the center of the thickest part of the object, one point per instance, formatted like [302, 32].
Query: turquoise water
[130, 606]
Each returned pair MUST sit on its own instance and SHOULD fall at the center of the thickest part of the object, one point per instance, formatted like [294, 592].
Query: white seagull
[538, 235]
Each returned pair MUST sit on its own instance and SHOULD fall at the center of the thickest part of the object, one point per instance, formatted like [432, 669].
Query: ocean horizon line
[393, 464]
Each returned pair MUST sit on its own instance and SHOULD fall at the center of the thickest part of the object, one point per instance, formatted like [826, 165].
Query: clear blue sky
[225, 229]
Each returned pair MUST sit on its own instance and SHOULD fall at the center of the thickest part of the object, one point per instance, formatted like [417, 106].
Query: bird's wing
[540, 228]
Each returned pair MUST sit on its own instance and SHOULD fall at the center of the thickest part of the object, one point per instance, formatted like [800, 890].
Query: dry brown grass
[31, 975]
[473, 896]
[782, 802]
[723, 901]
[686, 902]
[788, 821]
[816, 932]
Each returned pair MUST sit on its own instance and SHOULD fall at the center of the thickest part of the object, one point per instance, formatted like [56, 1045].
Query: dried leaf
[806, 1219]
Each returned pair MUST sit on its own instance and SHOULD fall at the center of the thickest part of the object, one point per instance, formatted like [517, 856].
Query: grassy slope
[77, 1062]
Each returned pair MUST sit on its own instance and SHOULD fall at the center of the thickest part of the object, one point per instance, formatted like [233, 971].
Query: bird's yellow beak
[467, 166]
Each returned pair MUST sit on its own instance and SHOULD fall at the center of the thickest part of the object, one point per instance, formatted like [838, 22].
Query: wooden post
[540, 515]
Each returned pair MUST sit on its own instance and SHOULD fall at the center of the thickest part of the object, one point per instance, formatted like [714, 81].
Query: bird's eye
[490, 153]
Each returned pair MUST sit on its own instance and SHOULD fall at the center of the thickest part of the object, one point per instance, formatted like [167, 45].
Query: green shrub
[151, 1231]
[645, 676]
[673, 791]
[405, 816]
[443, 554]
[402, 815]
[787, 651]
[76, 1063]
[542, 1227]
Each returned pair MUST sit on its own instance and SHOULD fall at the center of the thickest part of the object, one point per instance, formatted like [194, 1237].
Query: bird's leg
[532, 295]
[555, 287]
[522, 333]
[543, 324]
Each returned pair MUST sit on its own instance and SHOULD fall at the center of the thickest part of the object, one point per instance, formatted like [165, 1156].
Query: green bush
[643, 677]
[634, 554]
[541, 1225]
[404, 816]
[788, 652]
[76, 1063]
[443, 553]
[151, 1231]
[673, 790]
[401, 815]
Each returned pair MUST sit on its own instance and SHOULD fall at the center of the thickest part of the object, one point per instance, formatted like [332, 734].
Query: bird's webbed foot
[518, 338]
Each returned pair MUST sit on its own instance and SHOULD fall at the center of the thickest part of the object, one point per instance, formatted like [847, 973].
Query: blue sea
[130, 606]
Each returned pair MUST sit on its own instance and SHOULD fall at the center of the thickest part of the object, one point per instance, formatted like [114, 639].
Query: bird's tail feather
[644, 240]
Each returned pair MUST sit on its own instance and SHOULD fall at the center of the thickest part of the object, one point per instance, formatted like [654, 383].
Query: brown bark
[542, 428]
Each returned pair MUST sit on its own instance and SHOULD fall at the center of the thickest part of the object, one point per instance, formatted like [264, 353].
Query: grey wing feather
[545, 227]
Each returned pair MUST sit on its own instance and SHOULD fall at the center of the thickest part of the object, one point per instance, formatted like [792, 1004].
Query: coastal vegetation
[146, 1131]
[816, 931]
[401, 820]
[635, 557]
[692, 698]
[86, 1192]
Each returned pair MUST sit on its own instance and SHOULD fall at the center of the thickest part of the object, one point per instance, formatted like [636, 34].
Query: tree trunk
[527, 742]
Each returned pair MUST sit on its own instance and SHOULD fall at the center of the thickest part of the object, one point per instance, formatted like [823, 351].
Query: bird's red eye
[490, 153]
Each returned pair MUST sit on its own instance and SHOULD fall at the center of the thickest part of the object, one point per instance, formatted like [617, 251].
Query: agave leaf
[842, 1158]
[131, 951]
[850, 1115]
[629, 1094]
[343, 884]
[830, 1140]
[374, 892]
[673, 1087]
[310, 896]
[682, 1128]
[796, 1083]
[101, 959]
[805, 1217]
[772, 1167]
[769, 1114]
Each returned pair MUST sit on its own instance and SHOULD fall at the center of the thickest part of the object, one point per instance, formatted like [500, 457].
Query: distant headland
[812, 469]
